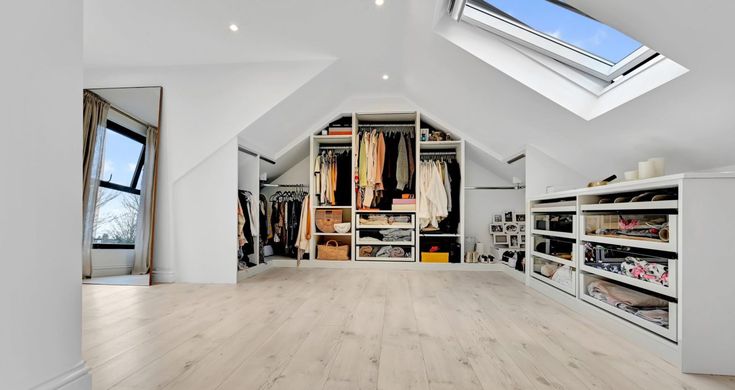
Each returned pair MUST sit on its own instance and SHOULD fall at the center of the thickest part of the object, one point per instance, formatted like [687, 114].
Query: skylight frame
[584, 61]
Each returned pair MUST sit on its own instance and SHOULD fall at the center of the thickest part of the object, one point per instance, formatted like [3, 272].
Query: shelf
[431, 145]
[385, 243]
[386, 211]
[567, 289]
[334, 234]
[553, 209]
[401, 259]
[644, 243]
[669, 333]
[553, 258]
[552, 233]
[660, 205]
[669, 291]
[438, 235]
[333, 207]
[390, 226]
[333, 139]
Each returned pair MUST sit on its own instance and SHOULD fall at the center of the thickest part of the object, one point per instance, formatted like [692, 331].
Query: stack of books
[339, 131]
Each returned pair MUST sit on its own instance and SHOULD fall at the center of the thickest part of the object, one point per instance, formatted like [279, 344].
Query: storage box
[435, 257]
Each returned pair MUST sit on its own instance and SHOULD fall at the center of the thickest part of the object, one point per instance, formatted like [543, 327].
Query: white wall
[204, 107]
[205, 238]
[112, 262]
[40, 204]
[480, 205]
[544, 172]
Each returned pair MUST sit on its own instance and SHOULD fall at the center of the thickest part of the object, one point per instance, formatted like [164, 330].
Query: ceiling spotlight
[386, 77]
[379, 2]
[233, 27]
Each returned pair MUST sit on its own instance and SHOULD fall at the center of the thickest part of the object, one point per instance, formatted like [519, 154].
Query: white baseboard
[389, 265]
[77, 378]
[111, 270]
[163, 276]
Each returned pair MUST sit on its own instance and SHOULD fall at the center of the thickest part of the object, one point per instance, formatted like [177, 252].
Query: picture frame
[497, 228]
[511, 228]
[523, 239]
[522, 228]
[508, 217]
[515, 241]
[500, 239]
[498, 218]
[520, 217]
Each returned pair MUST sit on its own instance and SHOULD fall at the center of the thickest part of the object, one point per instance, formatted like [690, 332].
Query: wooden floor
[359, 329]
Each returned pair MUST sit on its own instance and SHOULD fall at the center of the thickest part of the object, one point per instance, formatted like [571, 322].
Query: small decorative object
[631, 175]
[424, 135]
[325, 132]
[333, 251]
[602, 182]
[520, 217]
[498, 218]
[646, 170]
[658, 165]
[342, 227]
[500, 239]
[496, 228]
[511, 228]
[515, 241]
[509, 216]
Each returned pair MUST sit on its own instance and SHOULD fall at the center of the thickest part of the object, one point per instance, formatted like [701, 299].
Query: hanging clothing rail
[335, 147]
[516, 187]
[387, 125]
[438, 153]
[250, 152]
[283, 185]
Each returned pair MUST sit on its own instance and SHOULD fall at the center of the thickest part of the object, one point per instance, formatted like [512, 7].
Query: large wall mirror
[121, 131]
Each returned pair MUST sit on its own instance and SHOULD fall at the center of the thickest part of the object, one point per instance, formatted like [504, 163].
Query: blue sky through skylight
[570, 27]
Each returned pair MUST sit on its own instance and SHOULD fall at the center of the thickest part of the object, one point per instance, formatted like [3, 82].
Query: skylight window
[559, 31]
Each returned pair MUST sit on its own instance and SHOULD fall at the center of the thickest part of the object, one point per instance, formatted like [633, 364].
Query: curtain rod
[121, 112]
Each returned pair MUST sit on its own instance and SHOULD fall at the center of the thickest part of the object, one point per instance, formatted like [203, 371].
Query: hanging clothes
[440, 180]
[287, 208]
[333, 178]
[246, 231]
[303, 240]
[385, 167]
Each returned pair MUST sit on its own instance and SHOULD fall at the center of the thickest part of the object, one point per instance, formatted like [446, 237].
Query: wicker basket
[333, 252]
[325, 220]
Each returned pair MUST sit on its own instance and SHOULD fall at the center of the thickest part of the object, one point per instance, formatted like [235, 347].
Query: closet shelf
[669, 291]
[333, 207]
[554, 209]
[333, 139]
[439, 144]
[438, 235]
[386, 211]
[644, 243]
[669, 333]
[659, 205]
[333, 234]
[552, 233]
[390, 226]
[401, 259]
[385, 243]
[571, 290]
[553, 258]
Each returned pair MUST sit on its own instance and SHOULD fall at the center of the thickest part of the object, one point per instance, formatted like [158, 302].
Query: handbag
[325, 220]
[333, 251]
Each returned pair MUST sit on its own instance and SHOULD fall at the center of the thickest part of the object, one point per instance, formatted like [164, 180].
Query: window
[559, 31]
[118, 196]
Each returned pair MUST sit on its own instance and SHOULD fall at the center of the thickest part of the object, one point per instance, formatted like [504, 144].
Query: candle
[658, 165]
[646, 170]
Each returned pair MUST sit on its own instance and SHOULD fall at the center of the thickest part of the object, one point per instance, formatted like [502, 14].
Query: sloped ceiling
[690, 121]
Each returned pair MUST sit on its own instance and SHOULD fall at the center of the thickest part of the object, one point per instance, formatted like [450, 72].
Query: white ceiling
[143, 103]
[690, 120]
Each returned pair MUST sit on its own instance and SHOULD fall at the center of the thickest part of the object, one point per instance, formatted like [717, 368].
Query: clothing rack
[335, 147]
[282, 185]
[388, 125]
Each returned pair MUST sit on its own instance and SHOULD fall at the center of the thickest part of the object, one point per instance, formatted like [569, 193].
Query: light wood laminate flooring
[355, 329]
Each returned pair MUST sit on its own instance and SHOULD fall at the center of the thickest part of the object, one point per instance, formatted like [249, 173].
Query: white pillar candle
[631, 175]
[658, 165]
[646, 170]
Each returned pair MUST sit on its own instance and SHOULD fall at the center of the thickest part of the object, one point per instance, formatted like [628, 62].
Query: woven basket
[333, 252]
[325, 220]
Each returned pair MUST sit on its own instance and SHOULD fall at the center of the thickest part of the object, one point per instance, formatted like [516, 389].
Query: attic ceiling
[690, 120]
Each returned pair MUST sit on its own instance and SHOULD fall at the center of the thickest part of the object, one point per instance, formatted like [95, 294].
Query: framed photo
[511, 228]
[500, 239]
[496, 228]
[520, 217]
[521, 228]
[508, 217]
[515, 241]
[523, 239]
[498, 218]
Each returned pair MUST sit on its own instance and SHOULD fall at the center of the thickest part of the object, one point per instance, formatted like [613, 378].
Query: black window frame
[124, 131]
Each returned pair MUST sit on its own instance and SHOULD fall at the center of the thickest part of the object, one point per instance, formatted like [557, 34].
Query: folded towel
[614, 295]
[366, 251]
[397, 251]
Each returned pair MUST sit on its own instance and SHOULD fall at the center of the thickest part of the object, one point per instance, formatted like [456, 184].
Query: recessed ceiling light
[379, 2]
[386, 77]
[233, 27]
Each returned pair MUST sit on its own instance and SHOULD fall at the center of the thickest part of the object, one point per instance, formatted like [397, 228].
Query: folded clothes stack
[383, 251]
[382, 219]
[642, 305]
[637, 268]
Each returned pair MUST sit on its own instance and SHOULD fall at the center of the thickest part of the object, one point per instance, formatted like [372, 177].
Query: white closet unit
[654, 258]
[249, 164]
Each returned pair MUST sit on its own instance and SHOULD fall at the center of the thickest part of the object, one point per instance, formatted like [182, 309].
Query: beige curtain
[147, 206]
[93, 136]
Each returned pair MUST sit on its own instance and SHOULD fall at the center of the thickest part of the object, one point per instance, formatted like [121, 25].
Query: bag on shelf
[328, 251]
[325, 220]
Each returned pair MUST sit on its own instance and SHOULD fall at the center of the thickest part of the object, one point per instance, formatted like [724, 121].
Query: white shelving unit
[697, 252]
[543, 211]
